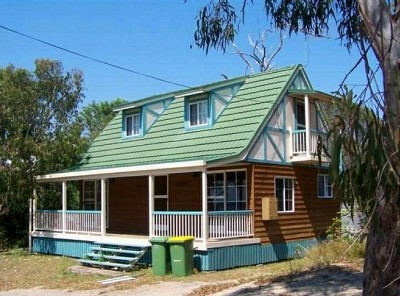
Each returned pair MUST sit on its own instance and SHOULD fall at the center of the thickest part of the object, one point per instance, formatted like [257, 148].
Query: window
[324, 187]
[300, 116]
[227, 191]
[161, 193]
[132, 124]
[92, 195]
[284, 192]
[198, 113]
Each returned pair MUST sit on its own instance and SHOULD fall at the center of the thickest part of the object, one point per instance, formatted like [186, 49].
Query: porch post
[307, 115]
[151, 204]
[64, 205]
[103, 207]
[204, 204]
[31, 213]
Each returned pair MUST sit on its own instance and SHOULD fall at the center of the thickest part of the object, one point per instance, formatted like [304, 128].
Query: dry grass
[20, 269]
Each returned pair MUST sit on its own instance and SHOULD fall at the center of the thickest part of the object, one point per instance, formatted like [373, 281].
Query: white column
[151, 205]
[64, 205]
[204, 205]
[307, 117]
[31, 213]
[103, 207]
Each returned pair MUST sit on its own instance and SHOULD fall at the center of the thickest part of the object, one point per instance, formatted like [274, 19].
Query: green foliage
[362, 151]
[96, 116]
[40, 132]
[218, 22]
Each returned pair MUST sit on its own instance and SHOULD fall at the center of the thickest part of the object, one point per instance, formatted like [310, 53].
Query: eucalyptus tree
[372, 180]
[40, 132]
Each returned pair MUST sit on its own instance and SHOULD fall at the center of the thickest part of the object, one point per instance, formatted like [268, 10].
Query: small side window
[324, 187]
[132, 124]
[284, 192]
[197, 113]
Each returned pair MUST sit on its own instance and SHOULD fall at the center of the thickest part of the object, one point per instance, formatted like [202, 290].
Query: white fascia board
[197, 92]
[142, 170]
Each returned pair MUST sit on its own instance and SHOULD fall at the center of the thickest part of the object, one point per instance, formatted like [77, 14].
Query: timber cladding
[184, 192]
[311, 216]
[128, 205]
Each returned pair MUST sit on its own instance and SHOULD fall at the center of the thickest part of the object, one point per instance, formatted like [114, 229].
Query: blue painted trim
[176, 213]
[253, 254]
[130, 112]
[274, 129]
[189, 100]
[69, 211]
[213, 259]
[269, 161]
[230, 212]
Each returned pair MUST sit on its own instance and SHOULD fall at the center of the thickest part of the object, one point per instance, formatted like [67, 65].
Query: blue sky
[152, 37]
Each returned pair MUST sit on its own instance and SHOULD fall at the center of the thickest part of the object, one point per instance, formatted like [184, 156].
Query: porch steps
[115, 256]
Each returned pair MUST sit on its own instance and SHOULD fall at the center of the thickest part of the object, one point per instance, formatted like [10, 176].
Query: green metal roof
[168, 141]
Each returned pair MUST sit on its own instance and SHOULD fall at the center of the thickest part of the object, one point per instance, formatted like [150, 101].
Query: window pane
[219, 179]
[161, 204]
[231, 178]
[161, 185]
[241, 178]
[136, 124]
[321, 185]
[231, 206]
[300, 114]
[231, 193]
[203, 112]
[242, 193]
[129, 125]
[193, 114]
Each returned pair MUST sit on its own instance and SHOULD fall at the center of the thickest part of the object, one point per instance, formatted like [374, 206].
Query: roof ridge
[208, 85]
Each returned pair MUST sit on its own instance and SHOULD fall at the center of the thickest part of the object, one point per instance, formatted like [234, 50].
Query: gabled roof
[167, 141]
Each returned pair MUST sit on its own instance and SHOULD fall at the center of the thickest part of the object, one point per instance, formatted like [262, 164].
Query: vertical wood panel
[128, 205]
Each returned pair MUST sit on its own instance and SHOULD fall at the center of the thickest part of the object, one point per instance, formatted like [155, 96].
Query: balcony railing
[75, 221]
[299, 143]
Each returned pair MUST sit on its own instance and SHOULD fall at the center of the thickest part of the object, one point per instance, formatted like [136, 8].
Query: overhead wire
[93, 59]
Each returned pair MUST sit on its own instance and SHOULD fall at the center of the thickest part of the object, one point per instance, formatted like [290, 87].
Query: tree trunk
[382, 260]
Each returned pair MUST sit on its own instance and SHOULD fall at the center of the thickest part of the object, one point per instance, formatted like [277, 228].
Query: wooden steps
[115, 256]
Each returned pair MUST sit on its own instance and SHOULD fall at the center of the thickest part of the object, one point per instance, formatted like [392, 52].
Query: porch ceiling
[143, 170]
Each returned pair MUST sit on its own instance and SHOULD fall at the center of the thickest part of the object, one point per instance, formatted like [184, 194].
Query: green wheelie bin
[181, 249]
[160, 255]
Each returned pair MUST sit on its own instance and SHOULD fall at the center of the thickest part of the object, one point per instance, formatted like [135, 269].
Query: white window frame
[225, 198]
[134, 128]
[197, 104]
[327, 186]
[95, 200]
[284, 178]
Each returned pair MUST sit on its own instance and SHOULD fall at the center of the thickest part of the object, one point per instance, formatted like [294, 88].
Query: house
[232, 163]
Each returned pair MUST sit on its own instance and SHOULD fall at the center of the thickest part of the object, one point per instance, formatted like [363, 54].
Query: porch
[221, 224]
[135, 208]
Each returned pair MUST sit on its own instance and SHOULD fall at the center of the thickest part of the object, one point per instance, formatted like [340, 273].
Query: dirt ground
[330, 280]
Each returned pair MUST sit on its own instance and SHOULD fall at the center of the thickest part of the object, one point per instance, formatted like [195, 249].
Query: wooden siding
[184, 192]
[128, 205]
[312, 215]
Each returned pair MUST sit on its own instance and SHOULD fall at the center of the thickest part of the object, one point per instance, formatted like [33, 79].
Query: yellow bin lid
[180, 239]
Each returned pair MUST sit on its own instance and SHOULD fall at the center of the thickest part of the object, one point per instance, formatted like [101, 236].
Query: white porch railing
[222, 225]
[299, 144]
[177, 224]
[76, 221]
[230, 224]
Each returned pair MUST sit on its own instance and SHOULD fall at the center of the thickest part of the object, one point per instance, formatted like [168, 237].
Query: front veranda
[211, 206]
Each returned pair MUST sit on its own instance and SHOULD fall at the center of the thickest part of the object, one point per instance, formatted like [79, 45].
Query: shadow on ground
[329, 280]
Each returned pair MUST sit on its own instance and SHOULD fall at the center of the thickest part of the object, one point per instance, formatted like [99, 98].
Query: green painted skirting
[212, 259]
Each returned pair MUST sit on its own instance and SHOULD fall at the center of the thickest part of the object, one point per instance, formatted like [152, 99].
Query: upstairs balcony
[304, 146]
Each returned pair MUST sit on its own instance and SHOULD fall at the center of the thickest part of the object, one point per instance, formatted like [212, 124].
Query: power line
[93, 59]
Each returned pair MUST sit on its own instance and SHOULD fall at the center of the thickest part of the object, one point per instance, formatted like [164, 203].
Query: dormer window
[132, 123]
[198, 112]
